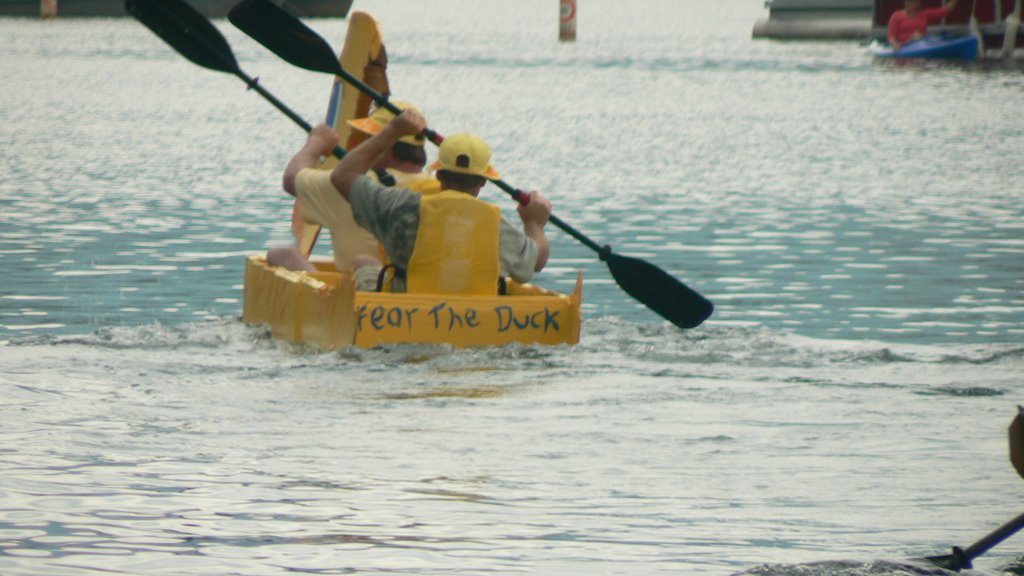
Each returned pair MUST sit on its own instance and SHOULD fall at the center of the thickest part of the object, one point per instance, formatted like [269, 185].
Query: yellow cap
[465, 154]
[380, 117]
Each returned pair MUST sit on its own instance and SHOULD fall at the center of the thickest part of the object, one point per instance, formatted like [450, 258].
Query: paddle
[293, 41]
[196, 38]
[961, 557]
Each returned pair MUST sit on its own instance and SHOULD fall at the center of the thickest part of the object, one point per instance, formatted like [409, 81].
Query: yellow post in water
[567, 21]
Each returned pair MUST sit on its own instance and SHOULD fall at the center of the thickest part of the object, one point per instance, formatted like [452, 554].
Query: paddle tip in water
[956, 561]
[659, 290]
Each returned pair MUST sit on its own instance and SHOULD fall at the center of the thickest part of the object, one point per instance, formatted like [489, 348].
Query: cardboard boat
[323, 308]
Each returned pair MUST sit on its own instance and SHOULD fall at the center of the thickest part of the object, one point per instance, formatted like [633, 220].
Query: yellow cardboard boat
[324, 308]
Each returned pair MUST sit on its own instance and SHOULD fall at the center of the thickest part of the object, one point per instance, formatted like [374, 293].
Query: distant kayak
[944, 47]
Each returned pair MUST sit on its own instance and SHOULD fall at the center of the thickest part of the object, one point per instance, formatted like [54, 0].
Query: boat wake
[847, 568]
[608, 345]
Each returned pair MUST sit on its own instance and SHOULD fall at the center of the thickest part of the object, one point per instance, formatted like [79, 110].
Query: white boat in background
[815, 19]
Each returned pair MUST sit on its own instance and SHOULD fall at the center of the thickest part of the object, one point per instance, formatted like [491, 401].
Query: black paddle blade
[962, 557]
[956, 561]
[186, 30]
[284, 35]
[659, 291]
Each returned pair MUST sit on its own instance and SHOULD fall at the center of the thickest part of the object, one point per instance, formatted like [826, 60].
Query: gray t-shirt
[393, 216]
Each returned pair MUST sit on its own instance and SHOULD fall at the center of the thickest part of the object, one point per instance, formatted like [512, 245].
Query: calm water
[860, 227]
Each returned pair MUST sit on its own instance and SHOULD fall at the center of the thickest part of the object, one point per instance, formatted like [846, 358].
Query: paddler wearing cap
[317, 202]
[450, 242]
[405, 159]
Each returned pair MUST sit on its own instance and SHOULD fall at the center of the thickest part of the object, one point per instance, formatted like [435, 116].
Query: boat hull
[937, 47]
[324, 309]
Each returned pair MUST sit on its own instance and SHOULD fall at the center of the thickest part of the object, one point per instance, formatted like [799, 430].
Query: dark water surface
[858, 225]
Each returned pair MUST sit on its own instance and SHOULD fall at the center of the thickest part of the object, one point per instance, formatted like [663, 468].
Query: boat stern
[300, 306]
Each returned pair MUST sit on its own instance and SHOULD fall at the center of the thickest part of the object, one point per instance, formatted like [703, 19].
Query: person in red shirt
[912, 22]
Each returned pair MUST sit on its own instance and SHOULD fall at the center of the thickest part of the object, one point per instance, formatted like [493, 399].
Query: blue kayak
[944, 47]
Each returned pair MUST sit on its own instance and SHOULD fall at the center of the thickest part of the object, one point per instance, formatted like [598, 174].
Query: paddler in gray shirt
[450, 242]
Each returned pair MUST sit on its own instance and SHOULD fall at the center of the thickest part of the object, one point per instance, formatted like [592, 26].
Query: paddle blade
[186, 30]
[956, 561]
[962, 557]
[284, 35]
[659, 291]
